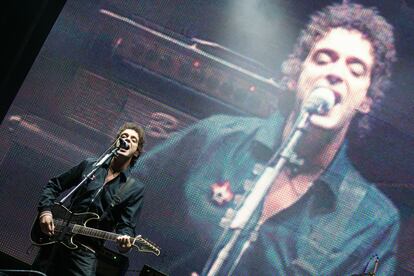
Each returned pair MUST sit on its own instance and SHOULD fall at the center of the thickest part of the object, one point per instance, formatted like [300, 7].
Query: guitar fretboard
[94, 233]
[100, 234]
[86, 231]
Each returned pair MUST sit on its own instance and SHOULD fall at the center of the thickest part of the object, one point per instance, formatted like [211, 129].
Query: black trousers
[57, 259]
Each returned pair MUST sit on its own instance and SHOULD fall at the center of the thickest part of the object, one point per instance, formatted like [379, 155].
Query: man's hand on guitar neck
[124, 243]
[46, 223]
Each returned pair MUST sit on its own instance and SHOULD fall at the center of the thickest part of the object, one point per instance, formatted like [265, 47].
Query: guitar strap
[119, 195]
[122, 192]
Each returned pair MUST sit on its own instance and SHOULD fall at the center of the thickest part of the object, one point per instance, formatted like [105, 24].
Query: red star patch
[221, 192]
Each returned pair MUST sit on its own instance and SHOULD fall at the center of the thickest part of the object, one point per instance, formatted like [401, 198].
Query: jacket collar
[270, 133]
[123, 174]
[326, 188]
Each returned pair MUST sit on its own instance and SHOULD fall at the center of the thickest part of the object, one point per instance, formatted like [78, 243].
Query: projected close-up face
[212, 138]
[341, 61]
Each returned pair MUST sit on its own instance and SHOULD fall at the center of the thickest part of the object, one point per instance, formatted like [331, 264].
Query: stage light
[196, 64]
[118, 42]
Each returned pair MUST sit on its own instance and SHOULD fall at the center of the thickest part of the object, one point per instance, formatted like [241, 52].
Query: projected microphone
[122, 144]
[320, 101]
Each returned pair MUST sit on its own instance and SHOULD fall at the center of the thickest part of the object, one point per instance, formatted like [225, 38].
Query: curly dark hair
[351, 17]
[141, 138]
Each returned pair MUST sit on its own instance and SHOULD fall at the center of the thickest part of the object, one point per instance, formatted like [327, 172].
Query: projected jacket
[121, 217]
[199, 175]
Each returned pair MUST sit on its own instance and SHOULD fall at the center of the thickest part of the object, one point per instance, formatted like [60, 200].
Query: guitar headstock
[145, 245]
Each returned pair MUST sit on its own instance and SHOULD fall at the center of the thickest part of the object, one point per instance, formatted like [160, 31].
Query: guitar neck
[140, 243]
[94, 233]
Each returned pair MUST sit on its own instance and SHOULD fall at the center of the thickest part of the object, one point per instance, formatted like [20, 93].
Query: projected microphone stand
[320, 101]
[373, 273]
[240, 222]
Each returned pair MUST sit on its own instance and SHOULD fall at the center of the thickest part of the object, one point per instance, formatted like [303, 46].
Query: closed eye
[324, 56]
[357, 67]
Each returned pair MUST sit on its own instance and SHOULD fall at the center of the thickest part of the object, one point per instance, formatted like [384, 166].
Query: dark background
[246, 27]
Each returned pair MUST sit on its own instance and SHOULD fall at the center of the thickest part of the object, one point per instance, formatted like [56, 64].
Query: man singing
[97, 195]
[318, 218]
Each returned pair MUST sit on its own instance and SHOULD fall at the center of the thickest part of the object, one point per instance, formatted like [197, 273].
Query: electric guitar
[72, 224]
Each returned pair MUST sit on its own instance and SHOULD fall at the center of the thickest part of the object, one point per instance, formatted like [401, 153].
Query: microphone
[119, 144]
[320, 101]
[122, 144]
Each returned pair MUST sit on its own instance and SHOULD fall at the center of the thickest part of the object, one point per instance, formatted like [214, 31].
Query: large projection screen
[169, 65]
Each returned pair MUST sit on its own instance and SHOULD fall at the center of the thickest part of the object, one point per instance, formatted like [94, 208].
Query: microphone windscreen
[320, 100]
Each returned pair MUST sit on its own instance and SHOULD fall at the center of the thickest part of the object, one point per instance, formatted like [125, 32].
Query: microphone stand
[284, 155]
[376, 266]
[101, 160]
[373, 273]
[104, 157]
[321, 100]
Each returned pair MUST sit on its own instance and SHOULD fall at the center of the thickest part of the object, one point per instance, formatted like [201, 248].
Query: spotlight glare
[196, 64]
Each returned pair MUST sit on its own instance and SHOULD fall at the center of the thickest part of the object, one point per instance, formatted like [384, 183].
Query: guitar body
[64, 221]
[69, 226]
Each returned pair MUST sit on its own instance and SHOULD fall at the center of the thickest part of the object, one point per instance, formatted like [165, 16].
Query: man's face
[341, 61]
[131, 137]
